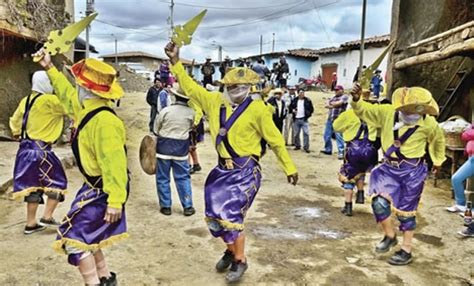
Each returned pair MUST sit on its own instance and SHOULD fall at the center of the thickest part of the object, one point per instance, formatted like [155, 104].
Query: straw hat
[240, 76]
[98, 77]
[276, 90]
[177, 91]
[415, 100]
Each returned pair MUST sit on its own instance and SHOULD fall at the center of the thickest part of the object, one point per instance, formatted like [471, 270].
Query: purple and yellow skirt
[359, 158]
[37, 168]
[229, 193]
[84, 228]
[400, 182]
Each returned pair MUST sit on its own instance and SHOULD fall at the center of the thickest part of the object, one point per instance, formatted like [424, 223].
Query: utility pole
[219, 47]
[362, 38]
[273, 43]
[261, 44]
[89, 10]
[116, 56]
[171, 18]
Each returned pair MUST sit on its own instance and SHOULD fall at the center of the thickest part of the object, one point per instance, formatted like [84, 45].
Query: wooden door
[328, 70]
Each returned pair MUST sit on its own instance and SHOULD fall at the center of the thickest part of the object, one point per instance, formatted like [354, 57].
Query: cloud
[142, 24]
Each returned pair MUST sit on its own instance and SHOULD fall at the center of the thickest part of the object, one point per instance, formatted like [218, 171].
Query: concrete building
[149, 61]
[344, 60]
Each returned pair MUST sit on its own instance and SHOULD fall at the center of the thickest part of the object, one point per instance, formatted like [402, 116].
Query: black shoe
[165, 211]
[325, 152]
[347, 209]
[360, 197]
[386, 244]
[111, 281]
[191, 171]
[189, 211]
[197, 168]
[33, 229]
[297, 148]
[307, 151]
[49, 222]
[401, 257]
[224, 263]
[236, 272]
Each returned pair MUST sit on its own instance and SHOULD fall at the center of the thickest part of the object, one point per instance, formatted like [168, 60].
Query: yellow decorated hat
[240, 76]
[415, 100]
[98, 77]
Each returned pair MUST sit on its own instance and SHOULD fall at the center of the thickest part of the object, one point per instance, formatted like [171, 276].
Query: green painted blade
[182, 35]
[60, 41]
[369, 71]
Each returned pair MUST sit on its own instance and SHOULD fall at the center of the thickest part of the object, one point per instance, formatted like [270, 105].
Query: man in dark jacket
[283, 72]
[302, 109]
[224, 66]
[207, 71]
[280, 108]
[152, 100]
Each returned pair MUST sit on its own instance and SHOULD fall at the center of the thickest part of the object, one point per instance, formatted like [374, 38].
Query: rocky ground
[296, 234]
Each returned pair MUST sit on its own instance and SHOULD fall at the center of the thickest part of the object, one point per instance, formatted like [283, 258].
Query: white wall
[348, 62]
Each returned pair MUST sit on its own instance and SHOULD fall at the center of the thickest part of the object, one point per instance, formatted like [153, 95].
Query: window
[296, 72]
[345, 72]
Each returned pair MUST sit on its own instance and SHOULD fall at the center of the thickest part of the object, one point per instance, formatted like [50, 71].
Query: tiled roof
[304, 53]
[385, 39]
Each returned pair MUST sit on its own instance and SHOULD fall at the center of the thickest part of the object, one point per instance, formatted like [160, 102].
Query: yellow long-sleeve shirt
[348, 124]
[45, 121]
[101, 141]
[198, 112]
[246, 133]
[383, 117]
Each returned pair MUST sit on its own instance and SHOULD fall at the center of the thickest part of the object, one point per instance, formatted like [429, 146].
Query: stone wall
[413, 21]
[23, 23]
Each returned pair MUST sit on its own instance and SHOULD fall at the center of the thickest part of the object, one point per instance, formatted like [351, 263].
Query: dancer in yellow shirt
[38, 123]
[97, 215]
[407, 126]
[237, 124]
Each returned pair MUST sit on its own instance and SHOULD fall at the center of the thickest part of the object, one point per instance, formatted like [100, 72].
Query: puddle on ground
[308, 212]
[275, 233]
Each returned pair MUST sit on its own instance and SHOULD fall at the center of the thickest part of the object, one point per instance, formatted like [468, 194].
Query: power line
[228, 8]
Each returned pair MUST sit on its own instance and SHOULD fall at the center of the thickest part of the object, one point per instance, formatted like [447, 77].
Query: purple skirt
[37, 168]
[84, 227]
[228, 195]
[360, 157]
[401, 185]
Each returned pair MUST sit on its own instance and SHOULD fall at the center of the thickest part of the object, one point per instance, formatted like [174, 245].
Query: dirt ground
[296, 234]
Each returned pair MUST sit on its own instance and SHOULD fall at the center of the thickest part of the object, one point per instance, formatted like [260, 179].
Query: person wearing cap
[173, 126]
[360, 157]
[288, 97]
[225, 65]
[407, 126]
[280, 108]
[37, 123]
[97, 215]
[237, 124]
[336, 105]
[334, 81]
[207, 71]
[302, 109]
[376, 83]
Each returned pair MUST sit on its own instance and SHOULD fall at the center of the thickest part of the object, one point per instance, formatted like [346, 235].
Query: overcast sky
[142, 25]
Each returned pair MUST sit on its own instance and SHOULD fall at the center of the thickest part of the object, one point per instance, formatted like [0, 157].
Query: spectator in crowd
[164, 98]
[165, 73]
[302, 109]
[207, 71]
[334, 81]
[283, 72]
[280, 108]
[224, 66]
[376, 83]
[288, 97]
[152, 100]
[262, 70]
[336, 106]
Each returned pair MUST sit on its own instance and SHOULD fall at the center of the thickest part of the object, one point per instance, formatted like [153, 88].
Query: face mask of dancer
[409, 119]
[84, 94]
[236, 94]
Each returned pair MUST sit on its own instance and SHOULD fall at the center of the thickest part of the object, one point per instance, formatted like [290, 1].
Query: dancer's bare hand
[45, 61]
[112, 215]
[356, 91]
[172, 51]
[293, 179]
[435, 170]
